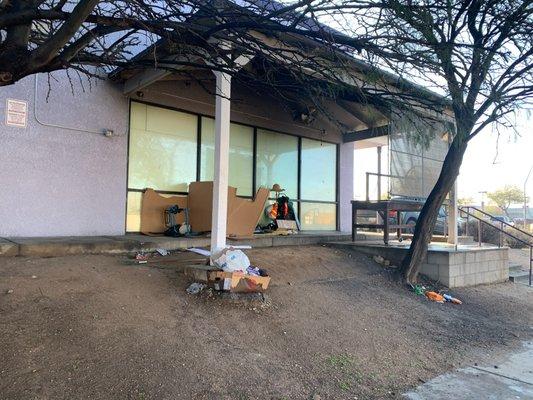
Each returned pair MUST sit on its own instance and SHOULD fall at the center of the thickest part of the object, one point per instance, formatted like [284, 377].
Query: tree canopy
[506, 196]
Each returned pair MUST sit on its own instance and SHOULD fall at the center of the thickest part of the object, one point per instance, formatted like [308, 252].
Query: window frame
[255, 128]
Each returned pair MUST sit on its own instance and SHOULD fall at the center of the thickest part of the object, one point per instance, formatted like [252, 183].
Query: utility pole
[483, 193]
[525, 196]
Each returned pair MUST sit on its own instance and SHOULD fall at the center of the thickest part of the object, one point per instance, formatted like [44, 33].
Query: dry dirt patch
[337, 327]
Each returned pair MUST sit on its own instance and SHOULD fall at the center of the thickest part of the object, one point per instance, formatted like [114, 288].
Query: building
[77, 154]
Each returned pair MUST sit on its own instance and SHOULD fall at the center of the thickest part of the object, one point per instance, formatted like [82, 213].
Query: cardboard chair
[243, 214]
[153, 206]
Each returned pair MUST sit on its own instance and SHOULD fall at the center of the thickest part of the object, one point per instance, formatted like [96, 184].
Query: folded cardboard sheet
[153, 207]
[243, 214]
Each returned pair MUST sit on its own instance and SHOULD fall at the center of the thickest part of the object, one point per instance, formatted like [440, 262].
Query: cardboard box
[287, 224]
[238, 282]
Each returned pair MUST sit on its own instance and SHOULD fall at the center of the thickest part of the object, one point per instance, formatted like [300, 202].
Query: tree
[465, 201]
[506, 196]
[478, 52]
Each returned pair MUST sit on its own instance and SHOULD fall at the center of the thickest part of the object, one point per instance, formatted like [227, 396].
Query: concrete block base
[466, 266]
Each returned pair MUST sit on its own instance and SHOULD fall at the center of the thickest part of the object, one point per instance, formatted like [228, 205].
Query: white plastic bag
[231, 260]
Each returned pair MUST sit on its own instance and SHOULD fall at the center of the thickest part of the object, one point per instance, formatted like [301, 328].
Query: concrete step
[519, 277]
[515, 267]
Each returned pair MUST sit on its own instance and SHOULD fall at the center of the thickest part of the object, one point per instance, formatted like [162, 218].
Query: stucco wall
[56, 181]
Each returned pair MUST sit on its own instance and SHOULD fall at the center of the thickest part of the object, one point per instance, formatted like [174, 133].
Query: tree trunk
[428, 216]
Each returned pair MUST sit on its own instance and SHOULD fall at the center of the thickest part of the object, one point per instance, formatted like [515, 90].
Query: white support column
[346, 185]
[220, 184]
[453, 234]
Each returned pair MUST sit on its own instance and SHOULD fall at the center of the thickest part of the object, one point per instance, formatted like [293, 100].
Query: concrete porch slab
[69, 245]
[8, 248]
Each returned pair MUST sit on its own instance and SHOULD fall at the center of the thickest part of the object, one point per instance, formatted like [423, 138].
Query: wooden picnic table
[383, 207]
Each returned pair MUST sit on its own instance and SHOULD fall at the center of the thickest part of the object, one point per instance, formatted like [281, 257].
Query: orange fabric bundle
[434, 296]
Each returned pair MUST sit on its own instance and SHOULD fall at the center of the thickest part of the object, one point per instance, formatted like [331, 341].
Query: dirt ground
[336, 327]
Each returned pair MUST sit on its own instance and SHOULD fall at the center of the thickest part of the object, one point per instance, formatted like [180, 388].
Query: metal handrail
[466, 210]
[462, 208]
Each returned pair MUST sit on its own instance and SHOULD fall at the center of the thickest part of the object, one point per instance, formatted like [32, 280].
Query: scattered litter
[195, 288]
[141, 256]
[9, 291]
[229, 271]
[419, 290]
[256, 271]
[243, 247]
[33, 277]
[202, 252]
[434, 296]
[378, 259]
[451, 299]
[383, 261]
[162, 252]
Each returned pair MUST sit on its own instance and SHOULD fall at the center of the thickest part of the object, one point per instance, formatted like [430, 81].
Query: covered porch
[241, 133]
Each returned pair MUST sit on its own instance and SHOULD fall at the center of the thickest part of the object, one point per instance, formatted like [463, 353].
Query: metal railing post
[467, 222]
[500, 244]
[530, 263]
[479, 232]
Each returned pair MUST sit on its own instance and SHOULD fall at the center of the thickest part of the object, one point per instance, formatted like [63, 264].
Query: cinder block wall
[468, 268]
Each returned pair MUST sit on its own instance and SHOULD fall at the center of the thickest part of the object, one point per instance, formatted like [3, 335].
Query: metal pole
[379, 172]
[367, 186]
[525, 197]
[467, 221]
[483, 192]
[479, 232]
[530, 262]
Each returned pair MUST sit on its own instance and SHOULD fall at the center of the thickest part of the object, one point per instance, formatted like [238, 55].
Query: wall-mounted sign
[16, 113]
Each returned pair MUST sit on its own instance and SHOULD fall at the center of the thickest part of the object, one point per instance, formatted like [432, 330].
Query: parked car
[410, 218]
[501, 218]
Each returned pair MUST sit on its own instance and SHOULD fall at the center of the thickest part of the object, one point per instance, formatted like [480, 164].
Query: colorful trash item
[434, 296]
[451, 299]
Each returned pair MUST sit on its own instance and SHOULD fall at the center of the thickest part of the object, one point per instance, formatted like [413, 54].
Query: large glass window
[162, 148]
[277, 161]
[133, 217]
[319, 170]
[241, 148]
[163, 155]
[318, 216]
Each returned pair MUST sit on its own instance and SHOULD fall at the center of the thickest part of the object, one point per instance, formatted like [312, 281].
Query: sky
[490, 163]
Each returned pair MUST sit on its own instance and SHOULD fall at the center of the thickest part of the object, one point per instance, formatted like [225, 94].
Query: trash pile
[435, 296]
[383, 262]
[229, 270]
